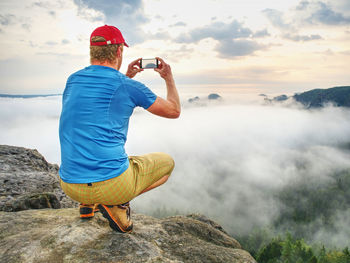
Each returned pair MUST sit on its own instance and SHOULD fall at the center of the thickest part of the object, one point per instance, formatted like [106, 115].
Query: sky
[245, 46]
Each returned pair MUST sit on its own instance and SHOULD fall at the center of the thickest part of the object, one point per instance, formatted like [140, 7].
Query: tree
[271, 251]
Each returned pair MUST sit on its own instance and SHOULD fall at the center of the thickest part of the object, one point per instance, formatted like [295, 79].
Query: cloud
[324, 14]
[276, 18]
[51, 43]
[46, 75]
[26, 26]
[159, 35]
[31, 112]
[51, 7]
[128, 16]
[42, 4]
[338, 236]
[342, 6]
[180, 23]
[307, 13]
[261, 33]
[216, 30]
[237, 48]
[346, 52]
[7, 19]
[302, 37]
[245, 154]
[302, 5]
[240, 76]
[234, 40]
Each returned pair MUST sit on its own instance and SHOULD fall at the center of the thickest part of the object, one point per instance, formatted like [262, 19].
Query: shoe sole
[113, 223]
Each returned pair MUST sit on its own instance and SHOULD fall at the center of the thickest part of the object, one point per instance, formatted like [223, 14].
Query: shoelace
[128, 210]
[127, 207]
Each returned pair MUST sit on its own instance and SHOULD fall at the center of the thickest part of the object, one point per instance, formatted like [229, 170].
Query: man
[96, 106]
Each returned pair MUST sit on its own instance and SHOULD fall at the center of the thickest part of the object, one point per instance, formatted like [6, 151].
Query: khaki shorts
[143, 172]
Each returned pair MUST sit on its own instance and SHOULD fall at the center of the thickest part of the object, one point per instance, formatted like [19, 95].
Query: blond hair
[105, 52]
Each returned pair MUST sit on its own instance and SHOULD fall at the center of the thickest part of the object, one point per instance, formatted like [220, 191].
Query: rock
[193, 99]
[28, 181]
[317, 98]
[32, 201]
[214, 96]
[59, 235]
[280, 98]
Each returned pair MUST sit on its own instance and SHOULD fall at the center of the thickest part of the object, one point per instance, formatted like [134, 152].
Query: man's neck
[105, 64]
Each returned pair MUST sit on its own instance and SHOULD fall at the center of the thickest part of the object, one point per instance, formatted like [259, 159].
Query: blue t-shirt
[96, 106]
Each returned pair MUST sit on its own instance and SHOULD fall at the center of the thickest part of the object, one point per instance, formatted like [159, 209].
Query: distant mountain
[340, 96]
[280, 98]
[27, 96]
[193, 99]
[214, 96]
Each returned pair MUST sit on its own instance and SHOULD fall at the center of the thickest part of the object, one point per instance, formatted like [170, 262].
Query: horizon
[256, 92]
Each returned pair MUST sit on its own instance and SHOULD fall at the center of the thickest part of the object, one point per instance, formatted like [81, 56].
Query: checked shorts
[143, 171]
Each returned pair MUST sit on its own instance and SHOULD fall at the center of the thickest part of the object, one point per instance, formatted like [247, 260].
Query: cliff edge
[31, 231]
[28, 181]
[59, 235]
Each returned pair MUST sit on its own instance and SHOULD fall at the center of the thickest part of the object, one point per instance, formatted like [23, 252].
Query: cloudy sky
[243, 45]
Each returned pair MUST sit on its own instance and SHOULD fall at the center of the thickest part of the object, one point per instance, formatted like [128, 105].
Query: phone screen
[149, 63]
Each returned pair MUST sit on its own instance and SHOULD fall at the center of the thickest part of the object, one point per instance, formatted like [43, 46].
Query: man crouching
[96, 106]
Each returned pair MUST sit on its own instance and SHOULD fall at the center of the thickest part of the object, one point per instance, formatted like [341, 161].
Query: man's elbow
[176, 114]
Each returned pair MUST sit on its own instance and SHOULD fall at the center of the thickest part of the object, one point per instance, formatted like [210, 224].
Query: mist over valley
[243, 163]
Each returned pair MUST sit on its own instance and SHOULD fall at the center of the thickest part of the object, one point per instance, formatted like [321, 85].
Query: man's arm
[169, 108]
[133, 68]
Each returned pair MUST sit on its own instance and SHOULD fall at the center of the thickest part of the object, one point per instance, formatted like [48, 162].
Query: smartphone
[149, 63]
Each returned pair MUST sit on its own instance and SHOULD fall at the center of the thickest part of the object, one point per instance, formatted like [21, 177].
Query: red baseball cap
[110, 33]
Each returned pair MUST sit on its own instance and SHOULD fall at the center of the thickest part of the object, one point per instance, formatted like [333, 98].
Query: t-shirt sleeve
[140, 94]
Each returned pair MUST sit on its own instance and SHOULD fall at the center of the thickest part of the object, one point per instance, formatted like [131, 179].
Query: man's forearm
[172, 94]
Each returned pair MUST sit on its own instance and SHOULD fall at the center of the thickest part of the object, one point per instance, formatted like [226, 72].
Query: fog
[231, 156]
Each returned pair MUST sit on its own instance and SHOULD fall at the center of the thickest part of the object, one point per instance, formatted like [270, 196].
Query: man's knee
[162, 161]
[165, 178]
[170, 161]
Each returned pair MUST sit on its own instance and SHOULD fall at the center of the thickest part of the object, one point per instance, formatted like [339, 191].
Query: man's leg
[156, 184]
[151, 171]
[145, 172]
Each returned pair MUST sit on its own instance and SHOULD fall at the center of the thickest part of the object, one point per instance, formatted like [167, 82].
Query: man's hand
[134, 68]
[169, 108]
[164, 70]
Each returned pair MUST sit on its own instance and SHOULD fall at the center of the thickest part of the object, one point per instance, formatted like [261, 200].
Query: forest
[309, 207]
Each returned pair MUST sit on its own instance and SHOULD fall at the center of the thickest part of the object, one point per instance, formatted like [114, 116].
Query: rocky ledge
[59, 235]
[42, 234]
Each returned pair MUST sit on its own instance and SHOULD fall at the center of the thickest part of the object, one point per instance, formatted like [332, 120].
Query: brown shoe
[118, 217]
[87, 211]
